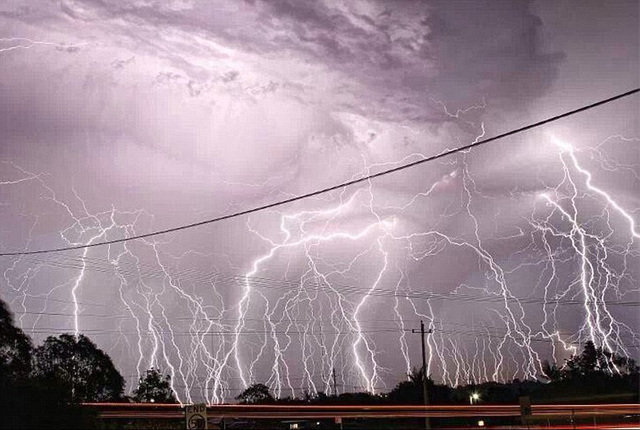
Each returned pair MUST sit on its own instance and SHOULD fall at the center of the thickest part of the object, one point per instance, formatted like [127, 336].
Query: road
[168, 411]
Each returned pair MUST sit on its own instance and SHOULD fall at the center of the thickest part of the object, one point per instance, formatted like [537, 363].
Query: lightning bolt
[593, 245]
[16, 43]
[313, 298]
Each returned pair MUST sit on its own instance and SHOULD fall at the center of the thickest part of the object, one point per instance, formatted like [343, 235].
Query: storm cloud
[120, 118]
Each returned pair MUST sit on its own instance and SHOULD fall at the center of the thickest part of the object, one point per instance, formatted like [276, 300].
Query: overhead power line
[333, 187]
[270, 284]
[480, 334]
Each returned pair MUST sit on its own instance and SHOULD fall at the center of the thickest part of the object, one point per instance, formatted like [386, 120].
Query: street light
[474, 397]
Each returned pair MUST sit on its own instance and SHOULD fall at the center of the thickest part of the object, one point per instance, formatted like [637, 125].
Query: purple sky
[120, 118]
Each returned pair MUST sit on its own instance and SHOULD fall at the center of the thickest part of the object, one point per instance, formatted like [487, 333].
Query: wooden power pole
[425, 390]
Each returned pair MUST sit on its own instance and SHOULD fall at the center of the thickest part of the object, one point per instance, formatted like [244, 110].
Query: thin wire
[314, 286]
[478, 330]
[331, 188]
[342, 333]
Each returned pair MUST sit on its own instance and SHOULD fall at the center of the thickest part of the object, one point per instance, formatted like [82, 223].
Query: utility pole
[425, 391]
[337, 420]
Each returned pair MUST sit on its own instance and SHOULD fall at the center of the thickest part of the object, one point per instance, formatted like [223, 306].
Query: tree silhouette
[586, 362]
[595, 360]
[25, 401]
[15, 349]
[255, 394]
[83, 372]
[410, 391]
[551, 370]
[154, 388]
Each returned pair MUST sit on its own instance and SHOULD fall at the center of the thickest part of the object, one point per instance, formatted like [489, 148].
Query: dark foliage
[29, 404]
[594, 360]
[255, 394]
[15, 349]
[410, 391]
[154, 387]
[76, 365]
[594, 375]
[25, 401]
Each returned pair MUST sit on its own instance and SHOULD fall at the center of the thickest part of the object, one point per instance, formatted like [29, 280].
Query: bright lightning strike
[335, 289]
[15, 43]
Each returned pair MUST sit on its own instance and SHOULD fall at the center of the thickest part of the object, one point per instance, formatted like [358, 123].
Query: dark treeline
[593, 376]
[42, 386]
